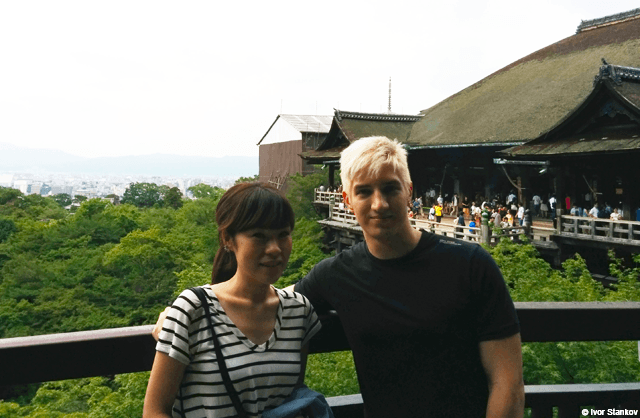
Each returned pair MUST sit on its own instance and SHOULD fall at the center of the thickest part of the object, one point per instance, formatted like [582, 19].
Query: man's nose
[379, 201]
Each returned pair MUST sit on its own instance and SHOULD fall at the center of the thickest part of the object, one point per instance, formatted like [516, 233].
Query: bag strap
[200, 292]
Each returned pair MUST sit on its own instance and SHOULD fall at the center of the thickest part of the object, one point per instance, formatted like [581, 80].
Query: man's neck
[393, 246]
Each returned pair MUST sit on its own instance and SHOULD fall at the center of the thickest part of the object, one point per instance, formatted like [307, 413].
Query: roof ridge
[376, 116]
[617, 73]
[608, 20]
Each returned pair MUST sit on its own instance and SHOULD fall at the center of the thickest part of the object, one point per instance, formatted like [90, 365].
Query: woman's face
[262, 254]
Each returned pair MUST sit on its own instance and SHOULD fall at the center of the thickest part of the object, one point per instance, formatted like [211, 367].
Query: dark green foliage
[63, 199]
[173, 198]
[144, 195]
[532, 279]
[247, 179]
[114, 266]
[202, 190]
[300, 193]
[9, 195]
[7, 227]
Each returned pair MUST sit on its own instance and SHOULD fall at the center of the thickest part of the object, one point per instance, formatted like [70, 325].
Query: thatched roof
[608, 120]
[530, 96]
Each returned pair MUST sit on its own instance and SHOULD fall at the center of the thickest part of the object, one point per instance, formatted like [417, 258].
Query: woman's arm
[304, 352]
[164, 383]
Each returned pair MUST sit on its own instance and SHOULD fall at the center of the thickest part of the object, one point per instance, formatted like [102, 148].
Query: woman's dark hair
[246, 206]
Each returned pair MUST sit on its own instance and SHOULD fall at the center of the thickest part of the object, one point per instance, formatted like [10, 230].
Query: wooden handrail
[122, 350]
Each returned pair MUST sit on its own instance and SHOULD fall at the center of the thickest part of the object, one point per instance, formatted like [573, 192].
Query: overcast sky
[107, 78]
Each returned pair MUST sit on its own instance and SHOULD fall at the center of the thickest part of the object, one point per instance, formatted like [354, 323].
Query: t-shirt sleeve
[495, 315]
[174, 337]
[311, 322]
[314, 286]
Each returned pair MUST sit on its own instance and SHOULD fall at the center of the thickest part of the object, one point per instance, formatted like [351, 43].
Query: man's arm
[158, 328]
[502, 363]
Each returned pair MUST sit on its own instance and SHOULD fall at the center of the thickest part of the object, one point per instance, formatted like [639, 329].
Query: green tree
[63, 199]
[79, 198]
[8, 195]
[247, 179]
[173, 198]
[143, 195]
[300, 193]
[202, 190]
[7, 227]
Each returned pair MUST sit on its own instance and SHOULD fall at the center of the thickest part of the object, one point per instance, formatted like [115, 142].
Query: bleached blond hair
[369, 155]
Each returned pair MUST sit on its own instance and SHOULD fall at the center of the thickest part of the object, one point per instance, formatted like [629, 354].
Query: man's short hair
[369, 155]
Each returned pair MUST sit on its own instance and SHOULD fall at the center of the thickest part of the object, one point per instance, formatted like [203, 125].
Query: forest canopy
[108, 266]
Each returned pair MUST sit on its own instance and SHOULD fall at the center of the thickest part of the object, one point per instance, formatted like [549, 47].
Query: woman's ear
[227, 242]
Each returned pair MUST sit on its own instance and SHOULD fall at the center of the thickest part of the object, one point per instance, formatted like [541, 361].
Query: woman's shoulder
[293, 298]
[189, 301]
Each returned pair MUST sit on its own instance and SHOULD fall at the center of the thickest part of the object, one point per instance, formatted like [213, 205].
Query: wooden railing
[623, 232]
[327, 197]
[340, 217]
[124, 350]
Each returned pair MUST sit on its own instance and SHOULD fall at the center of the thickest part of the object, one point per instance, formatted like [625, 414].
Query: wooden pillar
[560, 190]
[332, 170]
[485, 230]
[526, 187]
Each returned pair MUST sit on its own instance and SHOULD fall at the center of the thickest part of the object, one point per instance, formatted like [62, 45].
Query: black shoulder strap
[200, 292]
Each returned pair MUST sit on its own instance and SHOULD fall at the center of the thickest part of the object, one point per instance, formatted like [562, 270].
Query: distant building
[6, 180]
[287, 138]
[22, 185]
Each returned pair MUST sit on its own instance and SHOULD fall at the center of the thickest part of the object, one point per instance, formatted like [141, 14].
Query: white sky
[107, 78]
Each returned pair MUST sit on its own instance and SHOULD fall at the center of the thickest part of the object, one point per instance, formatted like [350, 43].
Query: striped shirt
[263, 375]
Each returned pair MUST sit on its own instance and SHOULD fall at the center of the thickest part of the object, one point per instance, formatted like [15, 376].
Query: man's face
[379, 203]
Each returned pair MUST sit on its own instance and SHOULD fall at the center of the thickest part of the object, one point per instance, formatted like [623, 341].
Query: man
[429, 319]
[423, 346]
[520, 214]
[496, 218]
[454, 204]
[537, 200]
[438, 212]
[416, 207]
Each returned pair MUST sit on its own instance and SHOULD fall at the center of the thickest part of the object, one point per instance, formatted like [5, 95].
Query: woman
[263, 331]
[459, 222]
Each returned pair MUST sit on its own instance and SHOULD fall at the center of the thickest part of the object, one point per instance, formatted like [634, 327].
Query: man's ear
[345, 198]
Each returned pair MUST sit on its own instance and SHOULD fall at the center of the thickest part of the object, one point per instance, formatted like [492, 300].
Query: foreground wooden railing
[123, 350]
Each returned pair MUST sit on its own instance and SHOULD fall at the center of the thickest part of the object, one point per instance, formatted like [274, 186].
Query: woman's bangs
[268, 210]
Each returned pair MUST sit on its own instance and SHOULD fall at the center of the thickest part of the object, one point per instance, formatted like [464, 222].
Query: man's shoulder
[442, 244]
[346, 256]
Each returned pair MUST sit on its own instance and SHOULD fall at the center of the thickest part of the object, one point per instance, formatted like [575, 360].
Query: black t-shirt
[414, 324]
